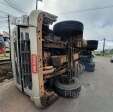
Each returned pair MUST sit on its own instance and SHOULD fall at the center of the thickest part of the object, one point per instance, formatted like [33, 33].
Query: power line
[3, 12]
[3, 20]
[5, 25]
[106, 40]
[87, 10]
[1, 17]
[109, 40]
[1, 3]
[12, 6]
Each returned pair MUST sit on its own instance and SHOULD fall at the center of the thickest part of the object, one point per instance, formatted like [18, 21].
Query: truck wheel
[68, 90]
[68, 28]
[92, 44]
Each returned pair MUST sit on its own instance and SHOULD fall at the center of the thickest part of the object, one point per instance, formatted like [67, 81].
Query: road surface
[96, 94]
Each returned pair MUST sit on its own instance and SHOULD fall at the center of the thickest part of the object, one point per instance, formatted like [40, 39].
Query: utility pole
[104, 46]
[9, 27]
[36, 4]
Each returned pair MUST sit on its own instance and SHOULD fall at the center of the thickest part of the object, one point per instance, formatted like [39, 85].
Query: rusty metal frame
[39, 53]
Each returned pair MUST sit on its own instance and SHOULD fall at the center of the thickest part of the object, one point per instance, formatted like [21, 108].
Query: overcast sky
[98, 24]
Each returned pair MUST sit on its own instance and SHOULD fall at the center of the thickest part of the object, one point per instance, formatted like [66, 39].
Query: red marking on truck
[34, 63]
[2, 50]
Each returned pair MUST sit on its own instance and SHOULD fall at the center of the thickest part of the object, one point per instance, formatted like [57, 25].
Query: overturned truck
[45, 61]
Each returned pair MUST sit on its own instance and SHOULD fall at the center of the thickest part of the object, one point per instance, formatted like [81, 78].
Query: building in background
[6, 39]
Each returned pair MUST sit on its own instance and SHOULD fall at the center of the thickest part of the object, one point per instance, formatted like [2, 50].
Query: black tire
[90, 67]
[68, 28]
[68, 90]
[92, 44]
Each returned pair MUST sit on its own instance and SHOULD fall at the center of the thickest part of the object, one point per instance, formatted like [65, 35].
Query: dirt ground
[96, 94]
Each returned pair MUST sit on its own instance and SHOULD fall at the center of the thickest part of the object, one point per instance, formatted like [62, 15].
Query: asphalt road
[96, 94]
